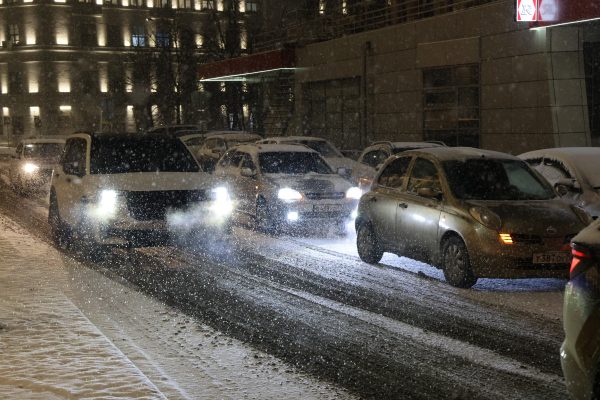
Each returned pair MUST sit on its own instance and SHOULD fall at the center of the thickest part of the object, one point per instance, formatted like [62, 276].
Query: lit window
[243, 40]
[5, 112]
[33, 85]
[65, 108]
[219, 5]
[321, 6]
[199, 40]
[34, 111]
[138, 37]
[64, 86]
[206, 4]
[62, 37]
[344, 7]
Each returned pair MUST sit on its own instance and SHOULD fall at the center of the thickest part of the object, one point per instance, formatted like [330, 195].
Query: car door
[383, 200]
[68, 178]
[418, 217]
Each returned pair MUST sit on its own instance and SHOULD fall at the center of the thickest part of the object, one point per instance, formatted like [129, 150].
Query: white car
[192, 140]
[325, 148]
[374, 156]
[217, 143]
[573, 171]
[124, 190]
[32, 164]
[286, 186]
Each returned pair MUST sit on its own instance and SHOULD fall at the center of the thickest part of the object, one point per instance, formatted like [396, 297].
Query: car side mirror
[565, 186]
[429, 193]
[342, 171]
[248, 173]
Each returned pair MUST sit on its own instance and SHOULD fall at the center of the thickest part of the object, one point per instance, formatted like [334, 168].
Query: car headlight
[486, 217]
[583, 216]
[220, 194]
[222, 206]
[289, 194]
[354, 193]
[107, 202]
[30, 168]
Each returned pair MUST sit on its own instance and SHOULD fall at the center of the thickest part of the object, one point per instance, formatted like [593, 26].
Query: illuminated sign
[557, 12]
[527, 10]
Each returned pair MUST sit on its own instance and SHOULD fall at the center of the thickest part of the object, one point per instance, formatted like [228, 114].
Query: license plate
[326, 207]
[552, 257]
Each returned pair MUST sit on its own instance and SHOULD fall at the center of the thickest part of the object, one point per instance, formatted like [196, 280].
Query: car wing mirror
[566, 186]
[342, 171]
[429, 193]
[248, 173]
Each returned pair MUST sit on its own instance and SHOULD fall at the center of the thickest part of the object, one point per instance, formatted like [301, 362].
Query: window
[247, 162]
[206, 4]
[394, 175]
[113, 36]
[16, 81]
[184, 3]
[89, 37]
[136, 3]
[163, 39]
[451, 105]
[13, 34]
[374, 158]
[138, 37]
[424, 175]
[251, 6]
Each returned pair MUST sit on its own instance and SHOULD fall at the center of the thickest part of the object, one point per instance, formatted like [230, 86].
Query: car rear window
[117, 155]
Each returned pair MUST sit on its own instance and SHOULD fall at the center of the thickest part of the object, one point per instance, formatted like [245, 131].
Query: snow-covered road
[396, 330]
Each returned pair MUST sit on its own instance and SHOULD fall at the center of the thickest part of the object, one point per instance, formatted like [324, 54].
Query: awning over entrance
[252, 67]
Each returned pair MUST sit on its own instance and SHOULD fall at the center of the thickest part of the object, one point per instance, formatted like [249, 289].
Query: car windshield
[296, 163]
[43, 150]
[495, 179]
[117, 155]
[236, 141]
[322, 147]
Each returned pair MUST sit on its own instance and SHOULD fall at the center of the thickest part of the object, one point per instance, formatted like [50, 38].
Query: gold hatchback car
[473, 213]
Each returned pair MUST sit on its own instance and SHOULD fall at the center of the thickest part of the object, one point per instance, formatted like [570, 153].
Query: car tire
[59, 231]
[369, 248]
[456, 263]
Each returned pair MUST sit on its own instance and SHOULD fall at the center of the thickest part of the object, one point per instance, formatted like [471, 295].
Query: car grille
[154, 205]
[325, 196]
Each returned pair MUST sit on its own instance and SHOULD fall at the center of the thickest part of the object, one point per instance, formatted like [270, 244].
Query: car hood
[536, 217]
[322, 183]
[153, 181]
[341, 162]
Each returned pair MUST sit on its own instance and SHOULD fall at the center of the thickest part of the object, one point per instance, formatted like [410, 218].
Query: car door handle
[403, 205]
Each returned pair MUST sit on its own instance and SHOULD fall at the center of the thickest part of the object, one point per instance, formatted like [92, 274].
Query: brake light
[578, 263]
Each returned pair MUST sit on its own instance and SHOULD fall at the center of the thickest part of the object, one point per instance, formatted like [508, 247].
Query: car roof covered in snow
[295, 138]
[234, 135]
[400, 145]
[43, 140]
[571, 154]
[192, 136]
[257, 148]
[443, 153]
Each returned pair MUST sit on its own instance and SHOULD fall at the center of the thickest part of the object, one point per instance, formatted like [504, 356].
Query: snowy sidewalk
[48, 348]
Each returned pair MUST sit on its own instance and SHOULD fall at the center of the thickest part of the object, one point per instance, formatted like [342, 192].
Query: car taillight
[582, 260]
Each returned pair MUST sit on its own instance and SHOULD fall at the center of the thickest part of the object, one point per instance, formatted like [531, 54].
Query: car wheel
[264, 221]
[59, 231]
[456, 263]
[369, 249]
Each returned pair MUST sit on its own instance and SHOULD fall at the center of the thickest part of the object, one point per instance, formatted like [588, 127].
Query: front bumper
[580, 351]
[490, 258]
[306, 212]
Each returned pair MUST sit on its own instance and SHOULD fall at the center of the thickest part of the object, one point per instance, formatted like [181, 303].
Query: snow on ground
[70, 332]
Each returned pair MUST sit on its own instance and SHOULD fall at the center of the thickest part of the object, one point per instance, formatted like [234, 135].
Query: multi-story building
[110, 64]
[468, 72]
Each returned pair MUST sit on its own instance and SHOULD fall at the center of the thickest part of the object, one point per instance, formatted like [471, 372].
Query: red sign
[527, 10]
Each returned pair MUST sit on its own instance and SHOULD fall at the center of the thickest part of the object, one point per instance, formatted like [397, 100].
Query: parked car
[31, 166]
[580, 351]
[217, 143]
[118, 189]
[325, 148]
[375, 155]
[473, 213]
[286, 185]
[573, 171]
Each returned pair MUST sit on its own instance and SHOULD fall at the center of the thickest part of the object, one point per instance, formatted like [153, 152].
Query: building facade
[119, 65]
[465, 72]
